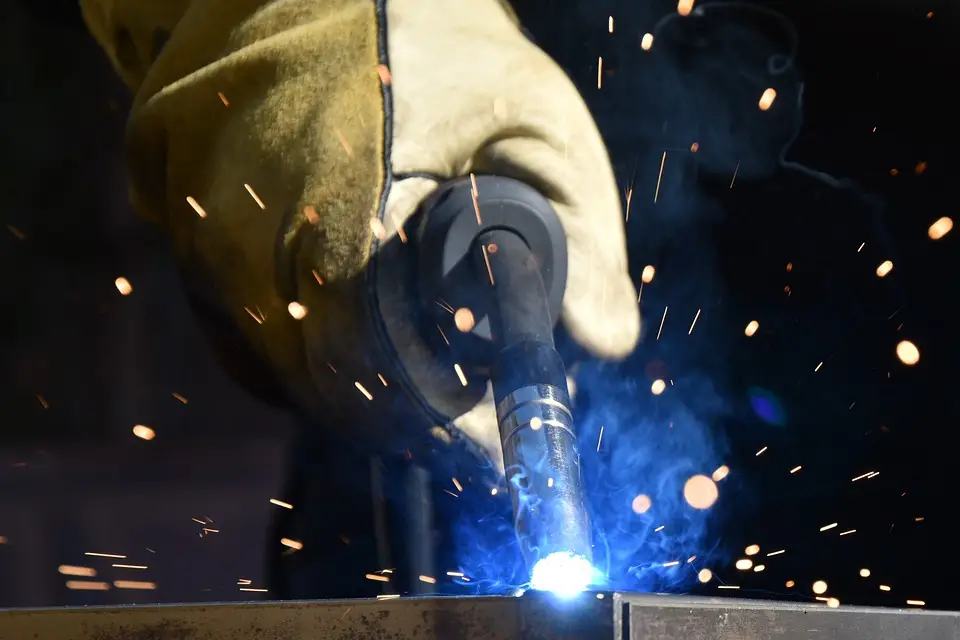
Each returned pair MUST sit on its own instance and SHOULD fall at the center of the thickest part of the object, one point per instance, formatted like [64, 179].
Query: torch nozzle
[496, 246]
[540, 453]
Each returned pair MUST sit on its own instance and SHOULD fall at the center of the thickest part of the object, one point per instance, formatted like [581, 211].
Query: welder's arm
[283, 144]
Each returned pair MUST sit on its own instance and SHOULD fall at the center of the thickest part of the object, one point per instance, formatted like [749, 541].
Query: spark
[761, 451]
[828, 526]
[486, 258]
[752, 550]
[662, 320]
[884, 587]
[694, 323]
[457, 484]
[646, 42]
[223, 99]
[600, 439]
[727, 586]
[885, 267]
[463, 378]
[640, 292]
[610, 24]
[860, 248]
[255, 317]
[862, 476]
[475, 196]
[833, 603]
[751, 329]
[759, 568]
[864, 573]
[736, 170]
[363, 390]
[464, 320]
[428, 579]
[766, 100]
[134, 584]
[916, 603]
[281, 503]
[819, 587]
[378, 230]
[599, 72]
[684, 7]
[179, 397]
[253, 194]
[641, 504]
[846, 533]
[343, 142]
[297, 310]
[388, 596]
[43, 401]
[796, 468]
[658, 529]
[790, 584]
[455, 574]
[123, 286]
[700, 492]
[144, 432]
[776, 553]
[648, 273]
[629, 196]
[656, 194]
[85, 572]
[940, 228]
[104, 555]
[400, 232]
[382, 380]
[196, 207]
[744, 564]
[130, 566]
[722, 472]
[672, 563]
[85, 585]
[377, 578]
[817, 368]
[908, 353]
[658, 387]
[296, 545]
[252, 589]
[705, 575]
[384, 72]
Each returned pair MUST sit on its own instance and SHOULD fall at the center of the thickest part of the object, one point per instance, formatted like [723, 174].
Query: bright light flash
[562, 574]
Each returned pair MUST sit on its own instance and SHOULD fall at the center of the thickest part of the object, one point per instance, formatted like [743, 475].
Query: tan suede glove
[284, 145]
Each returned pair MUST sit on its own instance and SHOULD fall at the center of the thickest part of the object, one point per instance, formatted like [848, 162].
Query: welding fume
[381, 210]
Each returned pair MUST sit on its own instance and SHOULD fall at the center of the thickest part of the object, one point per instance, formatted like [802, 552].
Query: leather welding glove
[283, 144]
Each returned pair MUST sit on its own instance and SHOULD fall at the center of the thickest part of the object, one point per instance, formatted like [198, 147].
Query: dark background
[82, 364]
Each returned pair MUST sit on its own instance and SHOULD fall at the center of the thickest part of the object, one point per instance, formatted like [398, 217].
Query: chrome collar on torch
[500, 251]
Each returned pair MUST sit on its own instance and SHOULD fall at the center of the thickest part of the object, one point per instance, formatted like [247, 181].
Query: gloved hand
[284, 145]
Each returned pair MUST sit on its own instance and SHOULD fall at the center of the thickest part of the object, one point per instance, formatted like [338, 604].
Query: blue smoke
[650, 445]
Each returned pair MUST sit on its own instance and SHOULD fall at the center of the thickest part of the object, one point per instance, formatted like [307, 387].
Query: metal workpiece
[613, 616]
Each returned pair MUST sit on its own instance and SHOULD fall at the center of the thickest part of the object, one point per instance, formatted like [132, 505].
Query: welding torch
[495, 247]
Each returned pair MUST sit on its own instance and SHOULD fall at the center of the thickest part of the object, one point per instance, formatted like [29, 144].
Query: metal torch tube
[541, 458]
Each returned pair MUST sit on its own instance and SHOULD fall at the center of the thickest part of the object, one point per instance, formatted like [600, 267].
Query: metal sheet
[532, 617]
[662, 617]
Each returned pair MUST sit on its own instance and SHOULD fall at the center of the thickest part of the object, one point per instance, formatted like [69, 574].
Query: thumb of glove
[519, 116]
